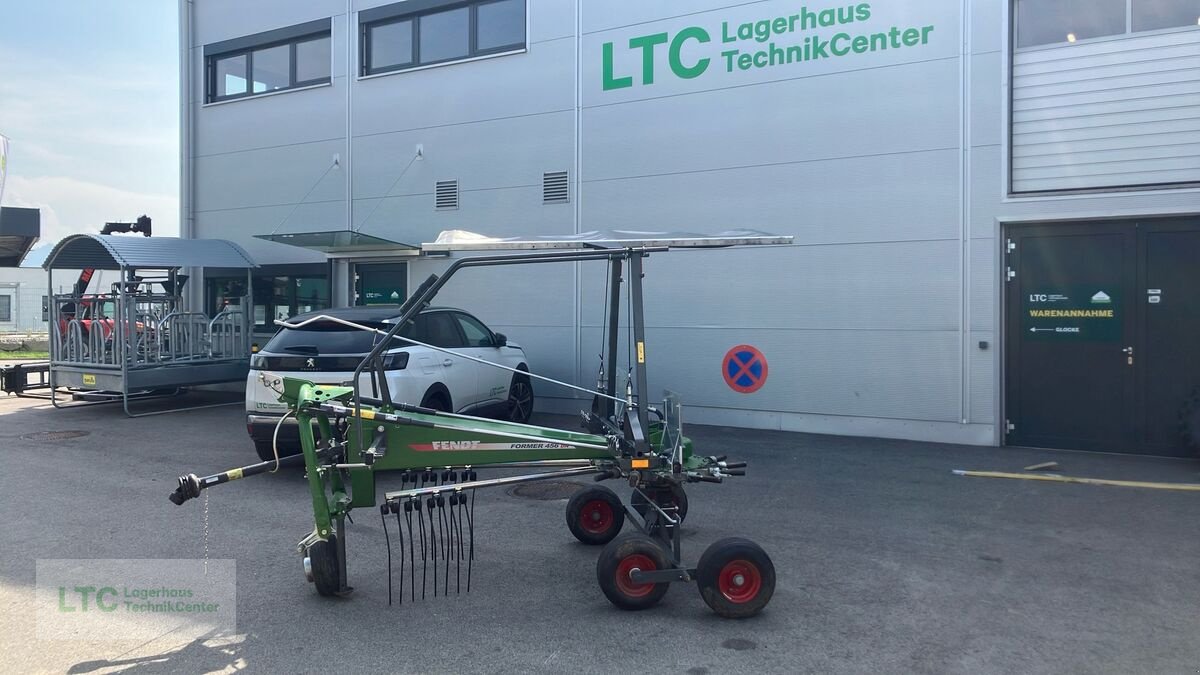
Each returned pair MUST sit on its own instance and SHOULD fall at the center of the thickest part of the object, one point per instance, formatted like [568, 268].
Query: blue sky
[89, 98]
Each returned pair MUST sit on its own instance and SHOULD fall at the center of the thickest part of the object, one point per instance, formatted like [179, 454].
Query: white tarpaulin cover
[462, 240]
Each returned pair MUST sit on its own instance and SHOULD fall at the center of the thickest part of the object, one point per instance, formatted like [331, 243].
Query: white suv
[328, 353]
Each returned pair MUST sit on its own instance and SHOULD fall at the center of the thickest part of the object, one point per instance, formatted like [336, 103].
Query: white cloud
[72, 206]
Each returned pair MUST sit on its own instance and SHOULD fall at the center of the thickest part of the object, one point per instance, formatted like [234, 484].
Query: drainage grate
[546, 490]
[63, 435]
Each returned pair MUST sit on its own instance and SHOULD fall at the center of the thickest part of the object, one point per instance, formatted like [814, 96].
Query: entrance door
[1069, 380]
[1103, 334]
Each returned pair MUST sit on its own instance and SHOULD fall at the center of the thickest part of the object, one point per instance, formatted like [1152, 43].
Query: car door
[458, 374]
[481, 343]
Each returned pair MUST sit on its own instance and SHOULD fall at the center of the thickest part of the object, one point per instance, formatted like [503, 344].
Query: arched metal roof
[108, 252]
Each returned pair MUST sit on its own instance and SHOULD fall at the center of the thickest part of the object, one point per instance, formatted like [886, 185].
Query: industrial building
[995, 204]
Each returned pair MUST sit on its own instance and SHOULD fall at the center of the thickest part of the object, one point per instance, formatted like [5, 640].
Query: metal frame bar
[429, 289]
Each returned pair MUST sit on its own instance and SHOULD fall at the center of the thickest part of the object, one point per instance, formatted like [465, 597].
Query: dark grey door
[1070, 329]
[1103, 335]
[1167, 357]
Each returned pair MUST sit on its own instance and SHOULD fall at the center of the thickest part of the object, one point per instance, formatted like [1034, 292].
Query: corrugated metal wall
[1113, 113]
[888, 167]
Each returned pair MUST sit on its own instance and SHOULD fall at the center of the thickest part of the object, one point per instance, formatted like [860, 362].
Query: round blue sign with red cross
[745, 369]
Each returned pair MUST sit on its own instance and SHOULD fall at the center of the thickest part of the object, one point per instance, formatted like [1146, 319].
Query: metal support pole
[636, 315]
[614, 320]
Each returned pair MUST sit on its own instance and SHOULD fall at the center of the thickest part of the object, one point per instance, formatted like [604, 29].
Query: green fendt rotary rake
[347, 438]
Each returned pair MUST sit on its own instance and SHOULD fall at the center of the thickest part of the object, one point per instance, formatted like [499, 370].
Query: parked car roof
[370, 313]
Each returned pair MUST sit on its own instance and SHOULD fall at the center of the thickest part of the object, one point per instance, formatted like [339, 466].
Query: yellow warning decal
[368, 414]
[234, 474]
[641, 464]
[641, 352]
[89, 379]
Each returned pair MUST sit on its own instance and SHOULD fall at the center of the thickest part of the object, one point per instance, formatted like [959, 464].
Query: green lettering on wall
[647, 43]
[609, 81]
[693, 33]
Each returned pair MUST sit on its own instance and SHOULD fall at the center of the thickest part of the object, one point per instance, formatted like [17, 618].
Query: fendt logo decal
[467, 446]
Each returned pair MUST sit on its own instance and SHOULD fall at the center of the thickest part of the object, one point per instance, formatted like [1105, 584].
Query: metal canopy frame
[614, 247]
[149, 344]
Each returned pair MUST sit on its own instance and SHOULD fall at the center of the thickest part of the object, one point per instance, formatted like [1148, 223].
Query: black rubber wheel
[736, 578]
[1189, 421]
[323, 566]
[619, 558]
[663, 495]
[520, 399]
[595, 515]
[266, 453]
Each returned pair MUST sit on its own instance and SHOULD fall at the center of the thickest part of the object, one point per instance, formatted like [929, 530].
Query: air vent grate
[445, 194]
[556, 187]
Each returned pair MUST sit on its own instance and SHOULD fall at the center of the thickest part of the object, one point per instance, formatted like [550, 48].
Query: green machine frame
[348, 437]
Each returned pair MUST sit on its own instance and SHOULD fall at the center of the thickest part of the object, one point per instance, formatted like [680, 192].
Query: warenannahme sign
[770, 42]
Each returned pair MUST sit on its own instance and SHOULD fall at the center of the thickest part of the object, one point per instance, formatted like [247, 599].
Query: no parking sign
[744, 369]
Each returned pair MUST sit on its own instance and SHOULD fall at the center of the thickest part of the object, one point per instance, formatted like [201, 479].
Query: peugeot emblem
[311, 363]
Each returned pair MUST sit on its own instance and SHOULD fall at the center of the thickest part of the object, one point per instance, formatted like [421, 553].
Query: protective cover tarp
[462, 240]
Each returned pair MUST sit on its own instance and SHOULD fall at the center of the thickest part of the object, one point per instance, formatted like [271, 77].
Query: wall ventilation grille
[445, 194]
[556, 187]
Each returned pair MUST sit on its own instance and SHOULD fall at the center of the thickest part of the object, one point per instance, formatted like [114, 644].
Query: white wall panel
[903, 196]
[511, 152]
[910, 108]
[1073, 105]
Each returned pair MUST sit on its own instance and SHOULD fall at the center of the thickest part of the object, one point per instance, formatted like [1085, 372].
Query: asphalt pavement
[886, 562]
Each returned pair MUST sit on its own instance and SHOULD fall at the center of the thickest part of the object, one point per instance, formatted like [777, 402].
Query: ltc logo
[84, 593]
[649, 45]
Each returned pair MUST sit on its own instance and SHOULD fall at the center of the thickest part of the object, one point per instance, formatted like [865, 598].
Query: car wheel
[520, 399]
[436, 402]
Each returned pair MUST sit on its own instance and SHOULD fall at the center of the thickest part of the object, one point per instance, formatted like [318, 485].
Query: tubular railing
[225, 335]
[183, 336]
[150, 335]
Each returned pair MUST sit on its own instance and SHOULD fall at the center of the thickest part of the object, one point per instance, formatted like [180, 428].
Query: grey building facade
[913, 149]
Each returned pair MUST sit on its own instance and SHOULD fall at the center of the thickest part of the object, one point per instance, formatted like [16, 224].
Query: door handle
[447, 362]
[1128, 350]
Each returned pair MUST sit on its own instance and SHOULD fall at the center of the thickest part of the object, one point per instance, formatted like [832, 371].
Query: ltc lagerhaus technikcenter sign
[804, 36]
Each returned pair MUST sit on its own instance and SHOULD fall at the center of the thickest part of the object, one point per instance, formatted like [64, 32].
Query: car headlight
[258, 362]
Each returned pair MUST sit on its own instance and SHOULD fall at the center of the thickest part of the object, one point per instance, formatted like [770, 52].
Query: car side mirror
[501, 340]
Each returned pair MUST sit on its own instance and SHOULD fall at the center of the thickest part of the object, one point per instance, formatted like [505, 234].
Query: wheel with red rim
[736, 578]
[620, 559]
[595, 515]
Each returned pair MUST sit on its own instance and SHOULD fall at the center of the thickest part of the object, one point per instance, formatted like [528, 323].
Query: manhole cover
[62, 435]
[546, 490]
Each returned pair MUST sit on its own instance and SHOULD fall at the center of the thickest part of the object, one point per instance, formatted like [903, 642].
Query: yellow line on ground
[1188, 487]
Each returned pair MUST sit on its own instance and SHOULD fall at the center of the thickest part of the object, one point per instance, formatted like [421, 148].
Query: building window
[425, 32]
[277, 60]
[1048, 22]
[275, 297]
[5, 308]
[1159, 14]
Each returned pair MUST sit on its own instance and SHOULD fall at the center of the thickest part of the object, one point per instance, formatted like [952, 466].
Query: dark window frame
[1130, 31]
[426, 9]
[7, 315]
[247, 46]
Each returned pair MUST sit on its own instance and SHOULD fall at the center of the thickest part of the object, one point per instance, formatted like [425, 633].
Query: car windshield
[326, 338]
